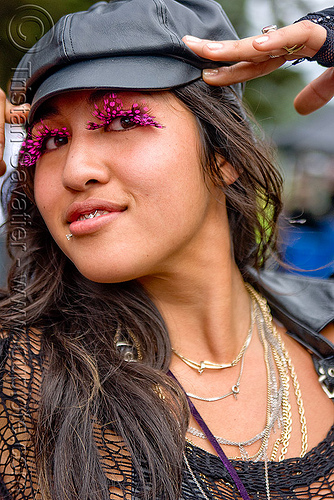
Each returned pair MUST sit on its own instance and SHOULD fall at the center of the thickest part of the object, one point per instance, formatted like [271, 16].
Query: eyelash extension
[32, 147]
[113, 108]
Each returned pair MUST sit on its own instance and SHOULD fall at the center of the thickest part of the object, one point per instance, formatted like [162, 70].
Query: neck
[206, 308]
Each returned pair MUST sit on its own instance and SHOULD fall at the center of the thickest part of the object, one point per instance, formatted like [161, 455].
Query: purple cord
[227, 464]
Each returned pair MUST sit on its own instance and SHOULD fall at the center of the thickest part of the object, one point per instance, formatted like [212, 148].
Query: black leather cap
[122, 44]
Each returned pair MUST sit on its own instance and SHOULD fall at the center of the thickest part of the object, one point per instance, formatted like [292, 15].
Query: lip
[87, 226]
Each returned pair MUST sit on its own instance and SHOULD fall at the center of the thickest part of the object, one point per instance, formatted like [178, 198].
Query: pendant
[235, 391]
[202, 367]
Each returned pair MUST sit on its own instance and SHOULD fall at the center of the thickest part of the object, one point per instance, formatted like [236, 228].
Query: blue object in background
[310, 247]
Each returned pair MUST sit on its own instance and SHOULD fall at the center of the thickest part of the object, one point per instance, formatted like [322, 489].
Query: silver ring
[268, 29]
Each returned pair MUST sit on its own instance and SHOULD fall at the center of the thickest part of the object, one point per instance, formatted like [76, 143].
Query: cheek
[43, 197]
[172, 193]
[164, 167]
[46, 193]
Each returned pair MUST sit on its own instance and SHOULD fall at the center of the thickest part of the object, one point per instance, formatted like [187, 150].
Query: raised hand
[259, 55]
[9, 114]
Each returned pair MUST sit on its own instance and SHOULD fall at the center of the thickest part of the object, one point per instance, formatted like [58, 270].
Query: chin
[102, 275]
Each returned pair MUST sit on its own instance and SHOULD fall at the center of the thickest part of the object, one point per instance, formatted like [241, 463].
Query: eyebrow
[44, 113]
[101, 93]
[47, 111]
[98, 94]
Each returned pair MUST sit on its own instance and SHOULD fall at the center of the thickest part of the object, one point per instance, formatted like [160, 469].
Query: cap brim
[119, 73]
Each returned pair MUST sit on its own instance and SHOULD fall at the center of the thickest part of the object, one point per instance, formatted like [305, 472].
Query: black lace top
[204, 477]
[310, 477]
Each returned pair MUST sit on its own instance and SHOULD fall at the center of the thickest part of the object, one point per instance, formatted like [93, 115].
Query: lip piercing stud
[69, 236]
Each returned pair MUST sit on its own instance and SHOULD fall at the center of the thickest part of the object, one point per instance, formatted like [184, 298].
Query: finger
[305, 34]
[240, 72]
[308, 35]
[16, 115]
[227, 50]
[316, 94]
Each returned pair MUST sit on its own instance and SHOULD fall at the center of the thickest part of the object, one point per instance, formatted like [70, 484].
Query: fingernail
[210, 72]
[214, 45]
[262, 39]
[190, 38]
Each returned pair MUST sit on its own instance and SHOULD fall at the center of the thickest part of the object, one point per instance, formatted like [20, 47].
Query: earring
[129, 349]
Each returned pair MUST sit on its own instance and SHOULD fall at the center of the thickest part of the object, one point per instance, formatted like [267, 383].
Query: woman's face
[129, 188]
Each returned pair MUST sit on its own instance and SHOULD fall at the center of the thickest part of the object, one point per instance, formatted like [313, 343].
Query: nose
[86, 163]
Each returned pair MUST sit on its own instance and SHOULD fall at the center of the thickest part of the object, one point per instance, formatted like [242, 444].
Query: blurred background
[305, 145]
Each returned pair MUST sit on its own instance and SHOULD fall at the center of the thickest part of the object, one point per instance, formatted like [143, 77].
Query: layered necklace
[235, 389]
[279, 370]
[202, 365]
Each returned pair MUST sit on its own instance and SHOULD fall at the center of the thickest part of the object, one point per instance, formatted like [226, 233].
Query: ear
[230, 175]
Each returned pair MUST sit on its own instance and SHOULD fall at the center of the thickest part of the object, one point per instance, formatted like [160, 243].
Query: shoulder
[305, 306]
[328, 332]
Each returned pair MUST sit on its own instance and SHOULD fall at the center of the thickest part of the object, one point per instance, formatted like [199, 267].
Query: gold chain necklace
[202, 365]
[303, 427]
[284, 367]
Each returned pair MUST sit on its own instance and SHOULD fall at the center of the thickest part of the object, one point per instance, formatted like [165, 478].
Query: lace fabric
[22, 365]
[311, 477]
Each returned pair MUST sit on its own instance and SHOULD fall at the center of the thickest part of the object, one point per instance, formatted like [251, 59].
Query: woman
[135, 217]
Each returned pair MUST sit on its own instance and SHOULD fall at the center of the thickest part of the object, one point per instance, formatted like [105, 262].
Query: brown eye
[54, 142]
[121, 123]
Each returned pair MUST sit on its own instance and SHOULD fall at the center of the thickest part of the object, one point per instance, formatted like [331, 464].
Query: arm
[259, 55]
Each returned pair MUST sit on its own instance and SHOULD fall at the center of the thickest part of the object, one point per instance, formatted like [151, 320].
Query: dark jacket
[305, 306]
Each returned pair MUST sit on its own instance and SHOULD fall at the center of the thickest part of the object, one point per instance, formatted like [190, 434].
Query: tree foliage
[22, 22]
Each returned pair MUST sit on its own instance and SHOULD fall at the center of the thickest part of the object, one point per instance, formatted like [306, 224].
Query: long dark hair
[87, 380]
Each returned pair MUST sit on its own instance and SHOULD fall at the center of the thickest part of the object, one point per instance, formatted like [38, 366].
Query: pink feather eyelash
[113, 108]
[32, 147]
